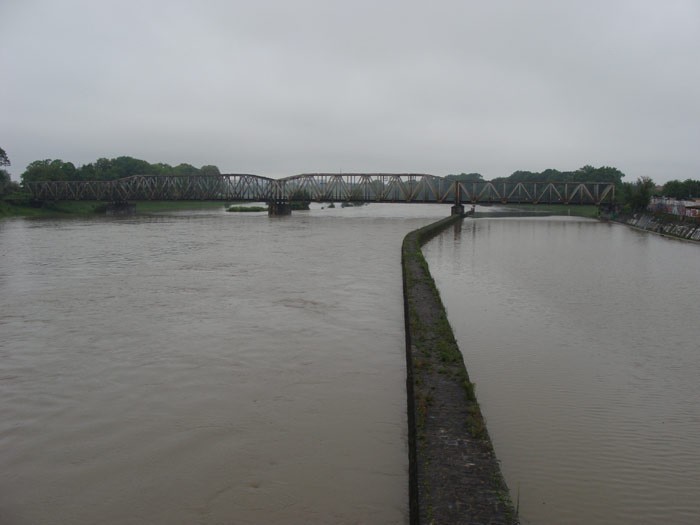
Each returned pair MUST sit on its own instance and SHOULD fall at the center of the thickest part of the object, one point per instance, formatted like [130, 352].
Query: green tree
[688, 189]
[161, 168]
[603, 174]
[107, 169]
[123, 167]
[209, 170]
[4, 160]
[692, 188]
[117, 168]
[608, 174]
[636, 196]
[466, 177]
[185, 169]
[550, 174]
[523, 176]
[49, 169]
[38, 170]
[585, 174]
[6, 184]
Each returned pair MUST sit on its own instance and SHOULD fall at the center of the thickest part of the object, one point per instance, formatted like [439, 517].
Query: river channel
[210, 367]
[205, 367]
[583, 339]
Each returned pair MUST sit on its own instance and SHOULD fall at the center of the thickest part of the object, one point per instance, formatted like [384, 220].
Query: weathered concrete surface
[454, 475]
[688, 230]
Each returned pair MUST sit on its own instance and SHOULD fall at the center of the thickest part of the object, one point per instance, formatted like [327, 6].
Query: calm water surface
[584, 341]
[205, 368]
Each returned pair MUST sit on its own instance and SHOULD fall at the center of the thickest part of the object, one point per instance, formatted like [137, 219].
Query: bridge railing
[324, 187]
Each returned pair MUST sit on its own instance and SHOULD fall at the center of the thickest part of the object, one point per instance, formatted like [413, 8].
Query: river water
[583, 339]
[210, 367]
[205, 367]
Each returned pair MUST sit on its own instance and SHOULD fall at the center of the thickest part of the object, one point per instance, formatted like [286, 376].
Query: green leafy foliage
[209, 170]
[466, 177]
[585, 174]
[300, 199]
[636, 196]
[4, 159]
[107, 169]
[49, 170]
[688, 189]
[7, 186]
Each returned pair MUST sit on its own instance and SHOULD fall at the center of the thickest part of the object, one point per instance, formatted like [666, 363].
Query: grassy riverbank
[454, 473]
[590, 211]
[83, 208]
[163, 206]
[53, 209]
[246, 209]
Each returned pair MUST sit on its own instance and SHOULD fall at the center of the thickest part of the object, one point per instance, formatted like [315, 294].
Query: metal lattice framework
[324, 187]
[536, 192]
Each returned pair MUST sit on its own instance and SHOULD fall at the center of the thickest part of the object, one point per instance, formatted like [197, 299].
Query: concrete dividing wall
[454, 474]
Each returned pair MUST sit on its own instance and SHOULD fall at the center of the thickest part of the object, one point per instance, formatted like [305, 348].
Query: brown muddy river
[217, 368]
[205, 367]
[583, 340]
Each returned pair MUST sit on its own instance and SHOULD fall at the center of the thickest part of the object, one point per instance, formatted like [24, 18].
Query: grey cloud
[276, 87]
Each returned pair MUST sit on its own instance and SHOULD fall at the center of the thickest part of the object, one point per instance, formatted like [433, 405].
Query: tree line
[585, 174]
[688, 189]
[107, 169]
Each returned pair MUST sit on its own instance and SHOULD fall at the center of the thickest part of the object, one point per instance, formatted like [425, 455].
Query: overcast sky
[279, 87]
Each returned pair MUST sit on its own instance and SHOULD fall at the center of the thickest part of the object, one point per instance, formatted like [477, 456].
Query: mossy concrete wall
[454, 474]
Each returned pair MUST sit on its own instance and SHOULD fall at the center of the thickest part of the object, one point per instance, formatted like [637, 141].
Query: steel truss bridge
[324, 187]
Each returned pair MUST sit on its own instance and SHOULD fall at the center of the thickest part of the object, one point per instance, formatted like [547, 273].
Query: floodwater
[583, 339]
[205, 368]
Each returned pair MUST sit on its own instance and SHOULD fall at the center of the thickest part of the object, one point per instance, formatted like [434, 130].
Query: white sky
[277, 87]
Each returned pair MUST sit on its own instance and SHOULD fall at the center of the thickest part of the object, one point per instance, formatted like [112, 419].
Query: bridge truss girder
[324, 187]
[485, 192]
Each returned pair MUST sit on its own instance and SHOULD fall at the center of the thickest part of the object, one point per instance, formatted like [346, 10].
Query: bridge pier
[458, 209]
[279, 208]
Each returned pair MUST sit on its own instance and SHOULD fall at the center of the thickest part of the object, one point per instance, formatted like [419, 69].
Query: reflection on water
[584, 343]
[205, 367]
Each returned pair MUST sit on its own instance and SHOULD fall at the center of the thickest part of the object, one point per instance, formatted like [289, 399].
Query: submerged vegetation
[26, 208]
[590, 211]
[21, 207]
[246, 209]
